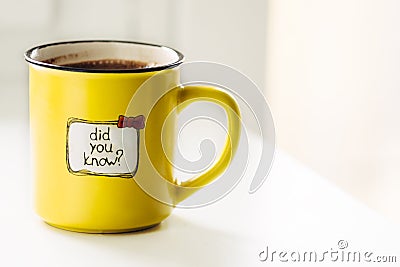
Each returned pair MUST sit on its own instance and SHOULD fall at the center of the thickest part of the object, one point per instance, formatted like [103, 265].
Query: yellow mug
[85, 174]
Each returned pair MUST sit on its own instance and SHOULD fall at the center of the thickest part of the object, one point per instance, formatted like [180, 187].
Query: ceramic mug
[85, 173]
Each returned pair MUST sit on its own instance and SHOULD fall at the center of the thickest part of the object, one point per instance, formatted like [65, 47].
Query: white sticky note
[101, 148]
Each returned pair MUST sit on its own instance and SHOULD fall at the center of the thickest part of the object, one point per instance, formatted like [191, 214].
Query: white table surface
[295, 210]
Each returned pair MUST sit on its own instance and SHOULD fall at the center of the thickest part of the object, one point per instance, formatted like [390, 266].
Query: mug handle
[191, 94]
[184, 96]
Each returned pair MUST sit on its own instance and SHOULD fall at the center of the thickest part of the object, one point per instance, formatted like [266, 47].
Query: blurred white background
[330, 69]
[231, 32]
[333, 79]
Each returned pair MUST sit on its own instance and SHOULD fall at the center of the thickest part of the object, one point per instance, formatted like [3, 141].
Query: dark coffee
[109, 64]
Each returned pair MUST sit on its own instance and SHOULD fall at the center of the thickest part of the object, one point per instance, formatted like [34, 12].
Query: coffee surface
[109, 64]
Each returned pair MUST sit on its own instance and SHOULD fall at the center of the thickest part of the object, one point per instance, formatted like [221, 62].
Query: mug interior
[56, 55]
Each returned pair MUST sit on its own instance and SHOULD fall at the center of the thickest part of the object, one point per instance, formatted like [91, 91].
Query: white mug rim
[32, 58]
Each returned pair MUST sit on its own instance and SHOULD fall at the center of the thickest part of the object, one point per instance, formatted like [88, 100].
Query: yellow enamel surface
[89, 203]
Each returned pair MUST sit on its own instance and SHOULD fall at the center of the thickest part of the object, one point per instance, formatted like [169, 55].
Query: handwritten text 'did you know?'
[95, 148]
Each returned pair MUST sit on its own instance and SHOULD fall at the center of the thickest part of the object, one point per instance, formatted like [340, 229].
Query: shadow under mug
[89, 145]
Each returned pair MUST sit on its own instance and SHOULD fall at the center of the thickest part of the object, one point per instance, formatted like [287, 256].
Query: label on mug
[105, 148]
